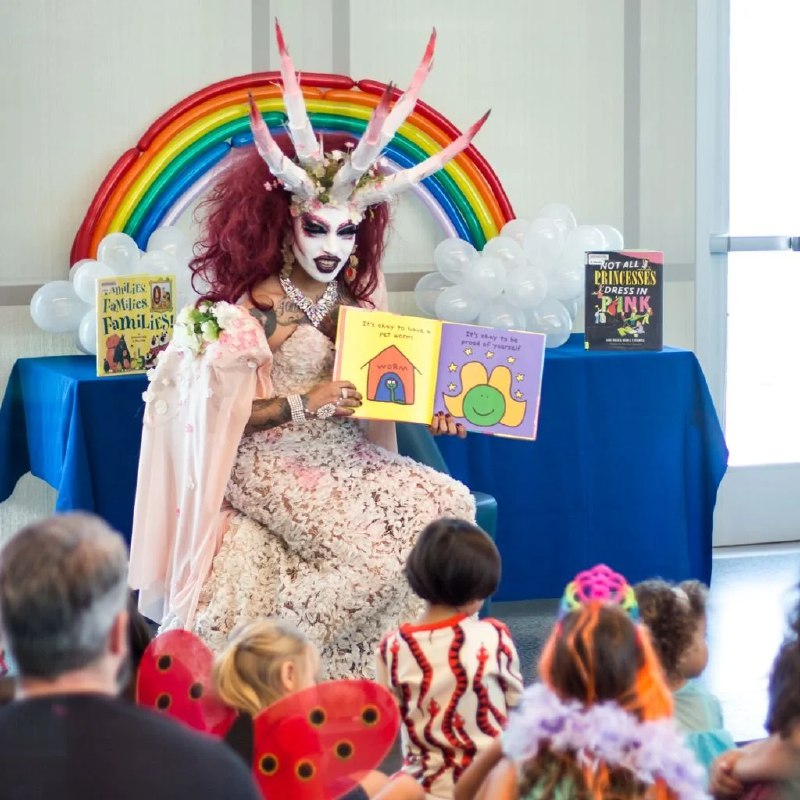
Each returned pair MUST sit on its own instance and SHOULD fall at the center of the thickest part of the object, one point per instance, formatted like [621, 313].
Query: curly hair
[598, 654]
[671, 617]
[245, 226]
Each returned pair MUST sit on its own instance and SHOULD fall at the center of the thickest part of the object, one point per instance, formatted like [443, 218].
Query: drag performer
[257, 493]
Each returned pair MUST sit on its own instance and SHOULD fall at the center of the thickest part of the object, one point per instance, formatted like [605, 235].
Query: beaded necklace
[315, 311]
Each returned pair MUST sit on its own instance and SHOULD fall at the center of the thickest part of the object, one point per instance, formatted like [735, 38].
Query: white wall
[592, 105]
[81, 81]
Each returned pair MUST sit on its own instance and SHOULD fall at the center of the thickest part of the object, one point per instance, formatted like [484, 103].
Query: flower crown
[599, 584]
[339, 179]
[323, 175]
[604, 733]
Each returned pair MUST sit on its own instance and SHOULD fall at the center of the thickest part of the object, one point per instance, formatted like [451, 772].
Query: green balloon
[484, 405]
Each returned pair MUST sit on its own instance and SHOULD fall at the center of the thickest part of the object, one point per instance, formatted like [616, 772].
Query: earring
[350, 269]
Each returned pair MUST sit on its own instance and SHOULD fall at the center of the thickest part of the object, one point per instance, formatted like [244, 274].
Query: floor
[752, 591]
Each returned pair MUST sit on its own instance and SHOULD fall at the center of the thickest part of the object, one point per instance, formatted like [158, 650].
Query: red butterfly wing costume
[314, 744]
[175, 678]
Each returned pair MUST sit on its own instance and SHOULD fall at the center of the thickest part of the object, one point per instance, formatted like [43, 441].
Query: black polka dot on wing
[164, 662]
[163, 701]
[344, 750]
[268, 764]
[304, 770]
[317, 717]
[370, 715]
[196, 691]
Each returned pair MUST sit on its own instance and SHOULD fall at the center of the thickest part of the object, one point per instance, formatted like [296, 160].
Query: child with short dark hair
[455, 676]
[676, 618]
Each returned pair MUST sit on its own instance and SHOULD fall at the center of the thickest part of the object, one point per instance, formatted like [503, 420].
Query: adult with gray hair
[63, 619]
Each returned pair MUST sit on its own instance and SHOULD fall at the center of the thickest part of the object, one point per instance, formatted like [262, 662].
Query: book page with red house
[392, 360]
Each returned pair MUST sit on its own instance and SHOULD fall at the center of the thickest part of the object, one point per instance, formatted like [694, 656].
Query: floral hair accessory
[604, 733]
[599, 584]
[349, 180]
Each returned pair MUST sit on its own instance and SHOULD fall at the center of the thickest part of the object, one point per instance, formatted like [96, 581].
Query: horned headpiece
[351, 179]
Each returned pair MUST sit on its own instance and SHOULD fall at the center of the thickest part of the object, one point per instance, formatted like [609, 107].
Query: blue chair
[416, 441]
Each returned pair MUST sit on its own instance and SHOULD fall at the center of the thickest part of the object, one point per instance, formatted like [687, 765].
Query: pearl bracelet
[296, 407]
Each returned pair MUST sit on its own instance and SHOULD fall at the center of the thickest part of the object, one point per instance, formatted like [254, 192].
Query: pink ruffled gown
[321, 525]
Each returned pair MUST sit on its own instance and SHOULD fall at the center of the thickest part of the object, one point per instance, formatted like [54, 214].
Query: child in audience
[267, 660]
[6, 681]
[455, 676]
[676, 618]
[139, 635]
[598, 725]
[769, 768]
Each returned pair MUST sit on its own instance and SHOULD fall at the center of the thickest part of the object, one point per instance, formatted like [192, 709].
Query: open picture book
[409, 368]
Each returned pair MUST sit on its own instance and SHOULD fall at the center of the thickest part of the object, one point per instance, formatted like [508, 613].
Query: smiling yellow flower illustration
[486, 400]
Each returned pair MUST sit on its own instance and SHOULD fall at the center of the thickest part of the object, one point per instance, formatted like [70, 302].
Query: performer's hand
[342, 394]
[444, 425]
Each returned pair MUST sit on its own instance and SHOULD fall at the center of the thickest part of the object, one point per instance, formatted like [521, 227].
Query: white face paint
[323, 241]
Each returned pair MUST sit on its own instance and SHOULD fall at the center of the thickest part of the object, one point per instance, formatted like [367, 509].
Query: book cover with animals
[409, 368]
[624, 300]
[135, 315]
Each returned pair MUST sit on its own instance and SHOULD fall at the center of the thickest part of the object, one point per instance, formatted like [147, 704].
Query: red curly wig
[598, 654]
[245, 226]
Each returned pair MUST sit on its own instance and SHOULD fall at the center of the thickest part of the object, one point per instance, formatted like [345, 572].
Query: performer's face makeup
[323, 241]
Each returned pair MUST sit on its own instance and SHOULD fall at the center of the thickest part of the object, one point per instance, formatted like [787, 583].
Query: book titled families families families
[135, 316]
[409, 368]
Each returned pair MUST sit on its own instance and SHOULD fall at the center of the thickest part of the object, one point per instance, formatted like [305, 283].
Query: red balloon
[83, 238]
[321, 80]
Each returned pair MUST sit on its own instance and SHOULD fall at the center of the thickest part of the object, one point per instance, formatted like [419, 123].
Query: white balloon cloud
[65, 306]
[56, 308]
[84, 277]
[119, 252]
[529, 277]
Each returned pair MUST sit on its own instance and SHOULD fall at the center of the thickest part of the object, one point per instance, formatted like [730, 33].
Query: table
[79, 433]
[625, 470]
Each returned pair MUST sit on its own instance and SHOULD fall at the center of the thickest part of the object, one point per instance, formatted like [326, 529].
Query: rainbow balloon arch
[192, 143]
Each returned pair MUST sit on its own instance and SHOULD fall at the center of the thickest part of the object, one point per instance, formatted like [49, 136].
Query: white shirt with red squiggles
[455, 682]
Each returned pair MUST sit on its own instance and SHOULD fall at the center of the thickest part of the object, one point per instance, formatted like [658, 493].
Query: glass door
[754, 238]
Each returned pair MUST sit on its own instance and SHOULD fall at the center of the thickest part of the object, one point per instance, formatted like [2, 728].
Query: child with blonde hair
[264, 661]
[267, 660]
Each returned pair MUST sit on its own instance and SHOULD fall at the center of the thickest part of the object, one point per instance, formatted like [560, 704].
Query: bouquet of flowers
[198, 326]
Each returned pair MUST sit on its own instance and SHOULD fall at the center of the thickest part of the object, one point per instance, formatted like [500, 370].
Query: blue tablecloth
[79, 433]
[625, 470]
